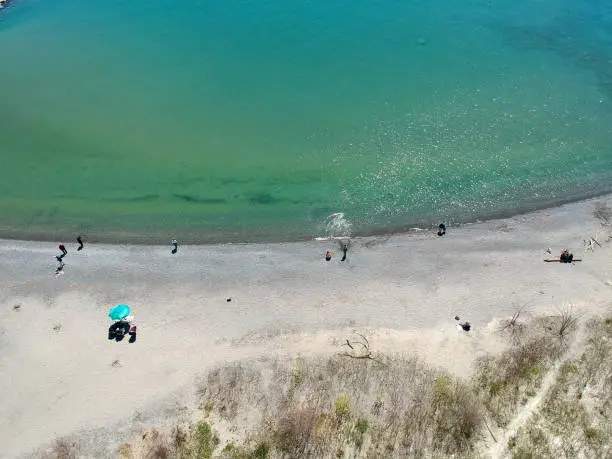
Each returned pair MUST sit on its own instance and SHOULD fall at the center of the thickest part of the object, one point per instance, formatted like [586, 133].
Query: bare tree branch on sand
[359, 349]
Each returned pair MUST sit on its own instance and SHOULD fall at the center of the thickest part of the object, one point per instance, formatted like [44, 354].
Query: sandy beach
[57, 376]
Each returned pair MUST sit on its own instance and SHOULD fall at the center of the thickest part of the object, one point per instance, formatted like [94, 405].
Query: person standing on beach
[174, 243]
[345, 247]
[80, 241]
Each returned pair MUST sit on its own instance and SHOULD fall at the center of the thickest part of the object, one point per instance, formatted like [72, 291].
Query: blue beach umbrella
[121, 311]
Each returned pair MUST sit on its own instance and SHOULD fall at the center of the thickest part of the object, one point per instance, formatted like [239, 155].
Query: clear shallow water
[240, 120]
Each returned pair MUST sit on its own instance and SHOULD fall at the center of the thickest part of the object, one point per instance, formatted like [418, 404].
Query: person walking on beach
[174, 243]
[345, 247]
[62, 247]
[80, 241]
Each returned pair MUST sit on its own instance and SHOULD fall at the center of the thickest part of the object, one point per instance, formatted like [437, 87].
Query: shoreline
[220, 237]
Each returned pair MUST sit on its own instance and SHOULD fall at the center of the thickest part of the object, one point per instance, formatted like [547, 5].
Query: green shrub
[511, 442]
[205, 440]
[343, 406]
[496, 387]
[443, 392]
[262, 451]
[297, 373]
[568, 368]
[592, 435]
[362, 426]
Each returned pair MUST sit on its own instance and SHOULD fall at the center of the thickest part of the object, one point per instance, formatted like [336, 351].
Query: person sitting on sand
[328, 255]
[566, 257]
[442, 228]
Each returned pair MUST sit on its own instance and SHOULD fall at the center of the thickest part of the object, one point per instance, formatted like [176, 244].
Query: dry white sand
[403, 291]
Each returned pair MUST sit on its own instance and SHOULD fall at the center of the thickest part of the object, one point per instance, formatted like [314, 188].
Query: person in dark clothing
[119, 329]
[566, 257]
[465, 326]
[174, 244]
[328, 255]
[63, 254]
[442, 228]
[345, 247]
[80, 241]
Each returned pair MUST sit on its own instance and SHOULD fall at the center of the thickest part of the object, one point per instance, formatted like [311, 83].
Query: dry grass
[514, 327]
[568, 318]
[63, 448]
[574, 419]
[226, 389]
[348, 405]
[397, 407]
[509, 379]
[197, 441]
[157, 446]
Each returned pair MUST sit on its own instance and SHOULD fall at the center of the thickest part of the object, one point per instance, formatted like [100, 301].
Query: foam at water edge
[336, 227]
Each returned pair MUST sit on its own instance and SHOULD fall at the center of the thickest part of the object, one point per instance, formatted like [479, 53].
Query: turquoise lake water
[239, 120]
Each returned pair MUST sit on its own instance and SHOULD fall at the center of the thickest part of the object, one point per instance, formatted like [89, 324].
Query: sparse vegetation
[573, 420]
[567, 321]
[342, 407]
[513, 327]
[126, 451]
[395, 406]
[262, 451]
[62, 448]
[506, 380]
[389, 406]
[205, 441]
[157, 446]
[602, 212]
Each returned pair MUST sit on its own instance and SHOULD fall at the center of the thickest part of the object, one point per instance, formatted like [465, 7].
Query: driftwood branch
[365, 353]
[365, 340]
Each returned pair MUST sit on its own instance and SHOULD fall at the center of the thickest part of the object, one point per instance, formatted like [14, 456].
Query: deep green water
[242, 120]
